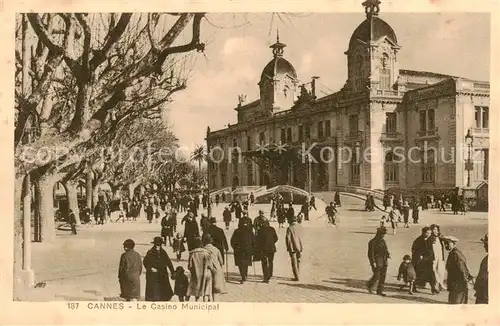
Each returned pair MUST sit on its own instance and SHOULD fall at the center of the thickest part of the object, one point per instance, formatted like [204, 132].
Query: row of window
[426, 123]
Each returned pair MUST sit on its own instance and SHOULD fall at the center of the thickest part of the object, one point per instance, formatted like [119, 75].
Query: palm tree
[198, 156]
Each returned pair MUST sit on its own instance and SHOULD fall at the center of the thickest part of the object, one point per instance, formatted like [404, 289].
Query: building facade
[386, 128]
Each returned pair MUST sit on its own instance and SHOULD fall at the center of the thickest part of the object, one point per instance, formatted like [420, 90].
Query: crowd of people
[427, 264]
[207, 245]
[255, 240]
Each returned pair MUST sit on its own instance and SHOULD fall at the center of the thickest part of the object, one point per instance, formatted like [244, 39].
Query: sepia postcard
[249, 162]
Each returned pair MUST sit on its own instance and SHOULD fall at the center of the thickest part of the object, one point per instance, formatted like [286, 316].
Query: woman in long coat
[129, 272]
[200, 265]
[157, 264]
[218, 281]
[438, 263]
[422, 258]
[191, 231]
[242, 242]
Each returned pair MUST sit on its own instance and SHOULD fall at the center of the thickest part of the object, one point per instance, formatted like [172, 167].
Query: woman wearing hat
[157, 264]
[129, 272]
[243, 242]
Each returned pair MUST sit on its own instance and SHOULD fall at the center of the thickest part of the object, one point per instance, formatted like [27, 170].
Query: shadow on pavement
[388, 288]
[317, 287]
[362, 232]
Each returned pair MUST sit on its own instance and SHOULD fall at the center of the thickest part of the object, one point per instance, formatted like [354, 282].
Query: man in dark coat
[259, 221]
[226, 215]
[219, 239]
[458, 273]
[305, 209]
[290, 214]
[242, 242]
[157, 264]
[129, 272]
[266, 248]
[191, 231]
[378, 255]
[481, 284]
[336, 199]
[422, 258]
[293, 240]
[204, 222]
[72, 221]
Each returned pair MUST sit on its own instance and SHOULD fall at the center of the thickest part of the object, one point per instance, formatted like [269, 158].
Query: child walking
[181, 284]
[178, 246]
[407, 273]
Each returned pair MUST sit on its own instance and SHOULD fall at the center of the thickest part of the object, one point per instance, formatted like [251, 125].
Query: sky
[237, 49]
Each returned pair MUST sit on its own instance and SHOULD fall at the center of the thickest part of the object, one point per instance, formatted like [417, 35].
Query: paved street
[334, 268]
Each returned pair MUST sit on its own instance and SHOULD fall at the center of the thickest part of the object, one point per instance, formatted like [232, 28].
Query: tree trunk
[45, 201]
[18, 235]
[88, 190]
[95, 193]
[71, 187]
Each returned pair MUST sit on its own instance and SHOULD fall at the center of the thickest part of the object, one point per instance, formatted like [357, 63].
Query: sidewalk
[334, 266]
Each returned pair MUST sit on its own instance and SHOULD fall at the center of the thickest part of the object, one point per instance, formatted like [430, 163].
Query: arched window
[391, 168]
[385, 73]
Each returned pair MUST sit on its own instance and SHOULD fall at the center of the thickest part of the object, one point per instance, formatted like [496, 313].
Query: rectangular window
[283, 135]
[423, 120]
[353, 123]
[485, 118]
[249, 174]
[431, 124]
[328, 128]
[307, 132]
[385, 79]
[391, 172]
[289, 135]
[249, 143]
[390, 122]
[262, 138]
[428, 172]
[481, 117]
[235, 143]
[320, 129]
[477, 117]
[301, 133]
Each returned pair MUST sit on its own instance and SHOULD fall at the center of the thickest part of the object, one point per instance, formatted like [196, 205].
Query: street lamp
[309, 174]
[209, 173]
[468, 166]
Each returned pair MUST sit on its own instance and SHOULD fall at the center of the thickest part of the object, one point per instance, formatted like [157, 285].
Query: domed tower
[278, 81]
[372, 55]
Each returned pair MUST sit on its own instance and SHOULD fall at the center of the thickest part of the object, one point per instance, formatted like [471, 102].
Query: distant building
[380, 107]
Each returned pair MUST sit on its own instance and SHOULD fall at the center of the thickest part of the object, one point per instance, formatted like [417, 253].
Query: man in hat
[157, 264]
[378, 255]
[259, 221]
[481, 284]
[191, 231]
[458, 272]
[266, 248]
[129, 272]
[219, 239]
[204, 222]
[294, 247]
[226, 215]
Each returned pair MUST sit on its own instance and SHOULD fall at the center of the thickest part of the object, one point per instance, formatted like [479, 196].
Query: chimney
[313, 86]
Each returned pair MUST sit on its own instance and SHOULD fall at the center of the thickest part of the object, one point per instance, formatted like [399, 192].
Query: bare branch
[113, 36]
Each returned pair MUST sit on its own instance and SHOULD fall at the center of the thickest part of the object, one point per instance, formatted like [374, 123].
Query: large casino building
[382, 108]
